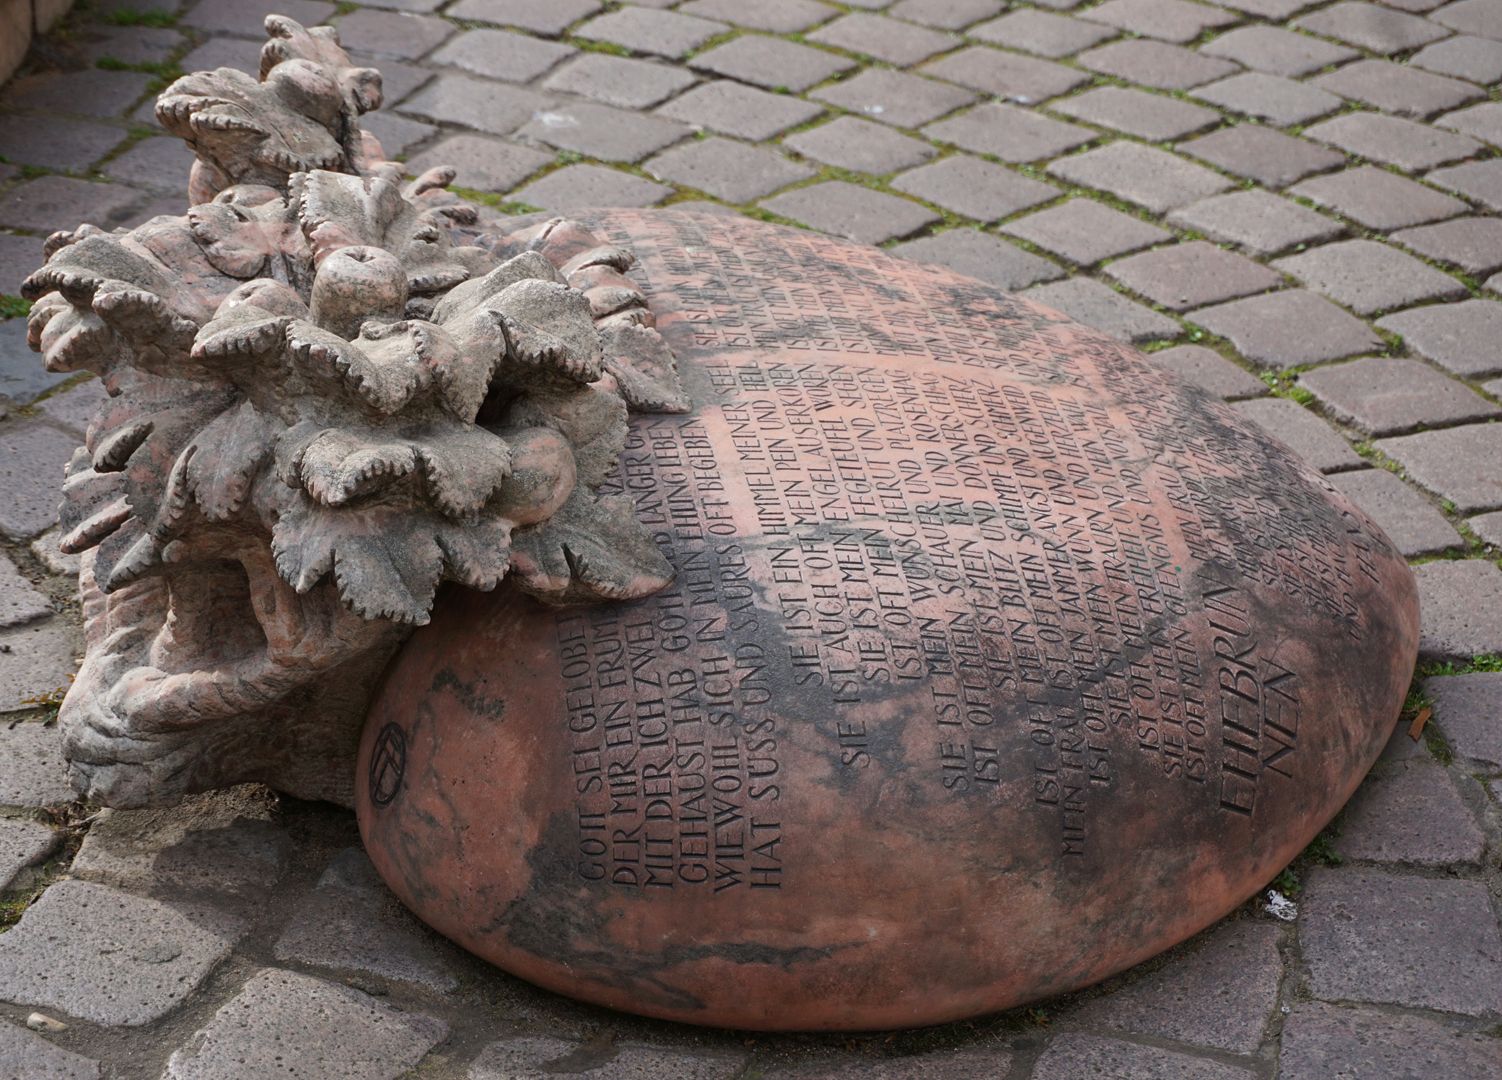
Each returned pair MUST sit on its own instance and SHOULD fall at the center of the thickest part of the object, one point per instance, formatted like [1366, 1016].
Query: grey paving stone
[1041, 32]
[852, 211]
[22, 377]
[128, 44]
[1387, 395]
[522, 1057]
[60, 143]
[1217, 990]
[32, 772]
[159, 163]
[90, 93]
[352, 922]
[19, 602]
[45, 548]
[285, 1023]
[1167, 20]
[644, 30]
[1460, 607]
[1009, 132]
[397, 35]
[1479, 17]
[579, 187]
[222, 850]
[1410, 146]
[619, 80]
[19, 256]
[1191, 274]
[1073, 1055]
[247, 17]
[540, 16]
[242, 54]
[1085, 232]
[75, 406]
[1207, 368]
[886, 39]
[773, 16]
[1482, 121]
[1410, 521]
[1468, 710]
[1257, 221]
[26, 1056]
[502, 54]
[946, 14]
[1459, 336]
[476, 103]
[1459, 464]
[1473, 58]
[983, 256]
[850, 142]
[1322, 1041]
[1472, 243]
[483, 164]
[398, 80]
[1371, 26]
[1302, 431]
[1478, 180]
[727, 169]
[771, 63]
[1136, 112]
[1271, 97]
[397, 134]
[1276, 51]
[1397, 88]
[1269, 157]
[1378, 199]
[23, 843]
[1156, 64]
[109, 957]
[602, 132]
[742, 111]
[32, 456]
[1413, 815]
[1288, 329]
[1145, 175]
[1369, 277]
[35, 658]
[1105, 309]
[1420, 942]
[49, 203]
[1011, 76]
[974, 188]
[1488, 526]
[895, 97]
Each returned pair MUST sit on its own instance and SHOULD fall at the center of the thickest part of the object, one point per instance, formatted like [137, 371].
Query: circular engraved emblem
[388, 761]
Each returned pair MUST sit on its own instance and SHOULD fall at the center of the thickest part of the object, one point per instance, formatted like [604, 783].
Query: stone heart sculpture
[911, 653]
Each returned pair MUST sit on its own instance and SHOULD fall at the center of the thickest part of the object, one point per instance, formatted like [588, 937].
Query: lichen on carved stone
[330, 393]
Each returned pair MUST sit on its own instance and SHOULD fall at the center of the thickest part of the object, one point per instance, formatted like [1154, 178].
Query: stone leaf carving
[331, 393]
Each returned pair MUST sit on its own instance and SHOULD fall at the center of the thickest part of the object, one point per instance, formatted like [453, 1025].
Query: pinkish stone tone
[997, 661]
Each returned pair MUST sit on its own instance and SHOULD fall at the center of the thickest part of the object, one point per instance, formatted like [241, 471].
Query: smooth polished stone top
[997, 661]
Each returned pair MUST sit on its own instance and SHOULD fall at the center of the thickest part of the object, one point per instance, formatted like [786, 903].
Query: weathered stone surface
[1468, 710]
[1209, 369]
[1103, 308]
[484, 164]
[860, 145]
[1459, 464]
[1010, 133]
[1218, 990]
[19, 601]
[1459, 336]
[1085, 232]
[1141, 174]
[1262, 154]
[1376, 198]
[1388, 395]
[22, 379]
[1258, 221]
[850, 210]
[23, 843]
[26, 1056]
[1191, 274]
[107, 956]
[1306, 434]
[285, 1023]
[979, 255]
[727, 169]
[837, 775]
[1422, 942]
[32, 772]
[1321, 1041]
[1412, 522]
[1155, 63]
[1462, 609]
[580, 186]
[1148, 116]
[974, 188]
[1071, 1056]
[525, 1057]
[351, 921]
[742, 111]
[1269, 97]
[36, 659]
[1413, 815]
[1369, 277]
[895, 97]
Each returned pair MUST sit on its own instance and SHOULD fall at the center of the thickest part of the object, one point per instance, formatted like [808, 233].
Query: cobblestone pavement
[1292, 204]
